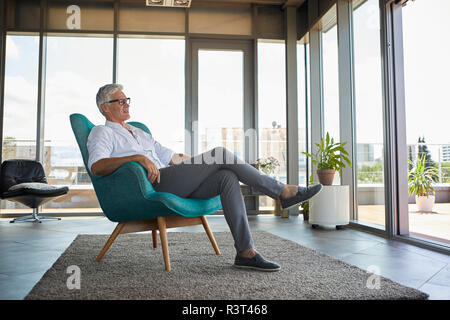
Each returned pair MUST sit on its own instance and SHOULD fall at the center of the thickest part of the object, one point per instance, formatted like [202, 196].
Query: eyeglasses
[121, 101]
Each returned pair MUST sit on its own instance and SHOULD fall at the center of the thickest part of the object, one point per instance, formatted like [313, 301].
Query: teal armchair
[127, 197]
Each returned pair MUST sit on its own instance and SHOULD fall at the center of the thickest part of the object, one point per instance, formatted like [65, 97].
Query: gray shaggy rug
[132, 269]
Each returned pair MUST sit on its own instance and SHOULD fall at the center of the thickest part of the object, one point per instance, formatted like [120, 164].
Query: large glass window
[221, 100]
[76, 68]
[330, 77]
[302, 62]
[272, 109]
[20, 102]
[308, 112]
[369, 113]
[427, 111]
[152, 73]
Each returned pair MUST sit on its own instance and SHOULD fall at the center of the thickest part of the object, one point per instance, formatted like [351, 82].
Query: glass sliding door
[426, 64]
[221, 100]
[221, 112]
[72, 81]
[368, 114]
[222, 97]
[20, 104]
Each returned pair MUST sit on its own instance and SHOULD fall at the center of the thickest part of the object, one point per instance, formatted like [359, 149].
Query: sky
[426, 27]
[152, 72]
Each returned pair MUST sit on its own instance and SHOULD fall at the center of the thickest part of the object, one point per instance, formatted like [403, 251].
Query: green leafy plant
[305, 207]
[421, 177]
[329, 155]
[305, 204]
[445, 167]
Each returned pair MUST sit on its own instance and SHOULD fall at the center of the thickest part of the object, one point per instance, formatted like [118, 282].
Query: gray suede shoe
[303, 194]
[257, 263]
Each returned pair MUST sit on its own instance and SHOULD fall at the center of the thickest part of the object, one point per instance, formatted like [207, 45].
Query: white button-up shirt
[112, 140]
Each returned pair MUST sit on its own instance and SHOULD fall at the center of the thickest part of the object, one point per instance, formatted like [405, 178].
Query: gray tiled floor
[28, 250]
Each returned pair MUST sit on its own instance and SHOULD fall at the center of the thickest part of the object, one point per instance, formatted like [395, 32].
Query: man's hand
[152, 170]
[107, 166]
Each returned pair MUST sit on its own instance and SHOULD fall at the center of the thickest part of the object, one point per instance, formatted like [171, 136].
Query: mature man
[206, 175]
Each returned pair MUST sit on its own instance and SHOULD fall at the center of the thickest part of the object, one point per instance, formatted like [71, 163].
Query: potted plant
[329, 159]
[420, 183]
[268, 165]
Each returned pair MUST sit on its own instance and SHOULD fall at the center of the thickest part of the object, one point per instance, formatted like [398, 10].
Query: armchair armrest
[131, 172]
[129, 185]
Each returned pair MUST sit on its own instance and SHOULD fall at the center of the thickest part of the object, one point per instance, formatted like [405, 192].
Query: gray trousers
[218, 172]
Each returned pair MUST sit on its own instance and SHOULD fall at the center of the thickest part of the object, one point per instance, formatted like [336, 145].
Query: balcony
[371, 210]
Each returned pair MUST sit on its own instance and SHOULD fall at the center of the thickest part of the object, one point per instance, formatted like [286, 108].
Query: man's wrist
[138, 158]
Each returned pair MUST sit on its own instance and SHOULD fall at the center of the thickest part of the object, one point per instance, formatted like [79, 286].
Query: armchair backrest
[15, 171]
[107, 187]
[81, 127]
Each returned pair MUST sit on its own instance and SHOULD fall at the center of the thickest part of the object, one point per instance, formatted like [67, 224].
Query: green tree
[445, 171]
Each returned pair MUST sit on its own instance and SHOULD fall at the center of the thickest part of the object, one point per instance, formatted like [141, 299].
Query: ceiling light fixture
[169, 3]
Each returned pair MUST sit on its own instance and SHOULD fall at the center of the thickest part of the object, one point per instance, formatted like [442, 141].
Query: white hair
[105, 92]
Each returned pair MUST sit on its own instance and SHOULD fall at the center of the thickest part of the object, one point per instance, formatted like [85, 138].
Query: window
[369, 114]
[76, 68]
[427, 67]
[221, 100]
[330, 78]
[308, 109]
[302, 95]
[20, 102]
[152, 73]
[272, 109]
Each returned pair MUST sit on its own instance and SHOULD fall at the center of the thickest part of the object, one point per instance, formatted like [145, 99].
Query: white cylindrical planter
[330, 206]
[425, 204]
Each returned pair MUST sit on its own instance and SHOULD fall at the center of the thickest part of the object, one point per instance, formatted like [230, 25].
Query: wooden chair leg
[155, 238]
[111, 239]
[210, 235]
[163, 235]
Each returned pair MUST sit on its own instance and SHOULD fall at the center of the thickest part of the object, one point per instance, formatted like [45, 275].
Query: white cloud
[20, 108]
[12, 50]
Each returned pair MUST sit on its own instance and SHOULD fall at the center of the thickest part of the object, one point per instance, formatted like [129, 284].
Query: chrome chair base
[33, 218]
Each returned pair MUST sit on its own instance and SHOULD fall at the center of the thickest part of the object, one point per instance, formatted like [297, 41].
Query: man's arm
[178, 158]
[107, 166]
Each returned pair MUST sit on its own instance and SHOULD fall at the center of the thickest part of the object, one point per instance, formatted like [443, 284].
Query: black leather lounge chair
[24, 181]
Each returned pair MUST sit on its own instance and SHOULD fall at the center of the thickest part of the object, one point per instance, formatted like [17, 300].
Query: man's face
[114, 111]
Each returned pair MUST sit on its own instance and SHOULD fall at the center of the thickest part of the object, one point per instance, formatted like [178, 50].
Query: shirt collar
[115, 125]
